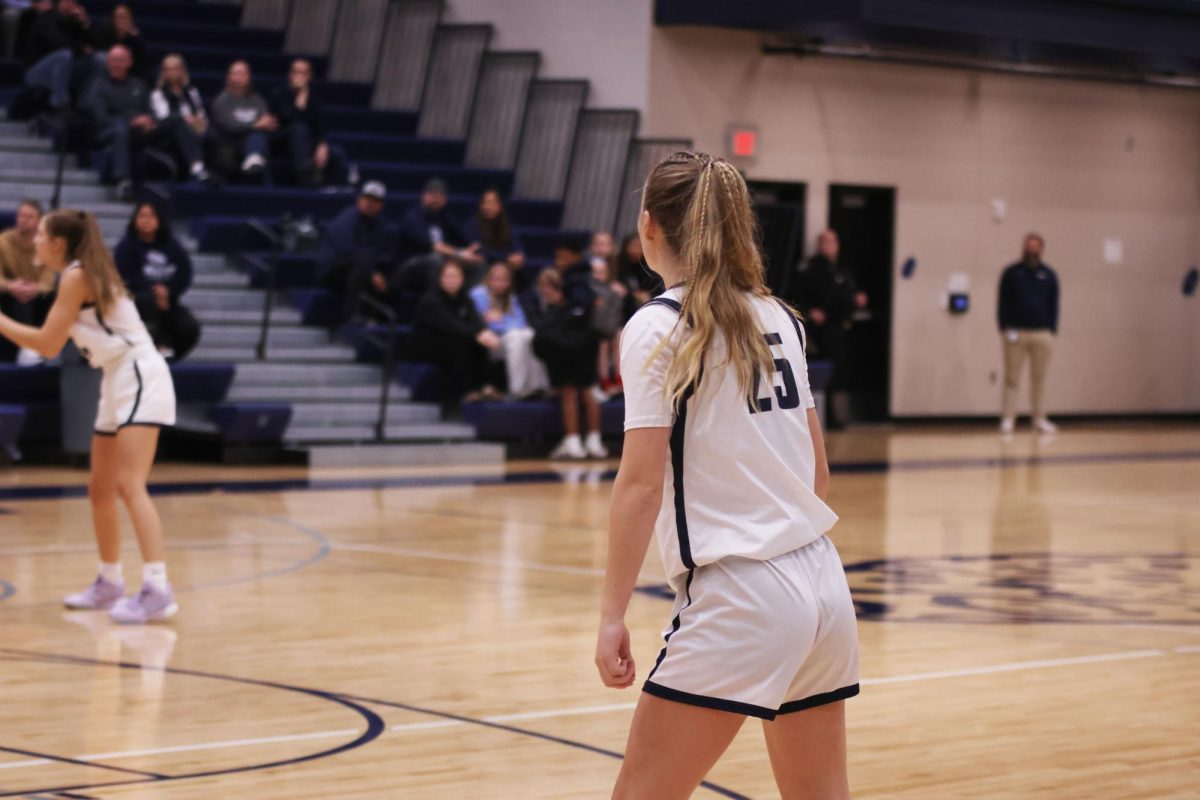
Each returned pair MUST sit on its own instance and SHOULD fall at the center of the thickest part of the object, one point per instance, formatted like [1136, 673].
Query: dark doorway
[781, 214]
[864, 218]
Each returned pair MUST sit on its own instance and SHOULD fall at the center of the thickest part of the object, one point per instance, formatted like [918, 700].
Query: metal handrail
[389, 358]
[272, 269]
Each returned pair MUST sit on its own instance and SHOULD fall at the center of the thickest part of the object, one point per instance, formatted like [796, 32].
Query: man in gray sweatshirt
[120, 105]
[243, 121]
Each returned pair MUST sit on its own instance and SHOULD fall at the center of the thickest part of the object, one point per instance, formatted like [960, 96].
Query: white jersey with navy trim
[107, 339]
[741, 480]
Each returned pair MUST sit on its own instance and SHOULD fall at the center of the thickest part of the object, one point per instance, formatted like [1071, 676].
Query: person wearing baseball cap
[359, 250]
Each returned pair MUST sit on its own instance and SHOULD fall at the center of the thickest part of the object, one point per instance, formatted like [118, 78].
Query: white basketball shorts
[761, 638]
[136, 391]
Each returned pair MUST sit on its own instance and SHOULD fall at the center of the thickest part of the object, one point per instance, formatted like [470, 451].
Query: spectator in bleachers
[564, 340]
[26, 288]
[58, 55]
[603, 247]
[428, 236]
[120, 106]
[243, 124]
[497, 303]
[301, 123]
[120, 29]
[179, 113]
[643, 284]
[359, 250]
[492, 231]
[157, 272]
[449, 332]
[608, 319]
[15, 21]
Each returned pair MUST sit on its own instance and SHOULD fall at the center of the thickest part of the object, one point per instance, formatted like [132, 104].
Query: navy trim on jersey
[108, 330]
[104, 433]
[675, 623]
[732, 706]
[678, 435]
[795, 324]
[137, 399]
[819, 699]
[674, 305]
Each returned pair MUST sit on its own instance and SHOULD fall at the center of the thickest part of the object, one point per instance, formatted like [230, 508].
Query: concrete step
[366, 392]
[398, 455]
[281, 317]
[207, 262]
[270, 374]
[243, 335]
[25, 175]
[245, 354]
[225, 299]
[72, 195]
[219, 279]
[22, 142]
[321, 415]
[440, 432]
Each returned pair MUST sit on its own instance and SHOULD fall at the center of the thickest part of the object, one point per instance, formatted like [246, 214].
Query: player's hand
[613, 659]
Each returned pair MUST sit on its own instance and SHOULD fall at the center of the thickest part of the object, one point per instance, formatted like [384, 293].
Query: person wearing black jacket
[449, 332]
[300, 113]
[828, 296]
[58, 57]
[560, 313]
[1027, 313]
[121, 29]
[157, 271]
[359, 250]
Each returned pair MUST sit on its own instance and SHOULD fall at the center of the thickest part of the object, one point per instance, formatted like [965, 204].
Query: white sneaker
[1044, 425]
[27, 357]
[594, 447]
[1007, 426]
[253, 163]
[570, 449]
[598, 394]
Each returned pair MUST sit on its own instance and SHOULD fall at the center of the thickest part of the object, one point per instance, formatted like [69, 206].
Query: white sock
[112, 572]
[198, 167]
[572, 437]
[154, 573]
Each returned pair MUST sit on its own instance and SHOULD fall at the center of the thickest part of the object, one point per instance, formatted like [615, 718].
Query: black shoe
[124, 191]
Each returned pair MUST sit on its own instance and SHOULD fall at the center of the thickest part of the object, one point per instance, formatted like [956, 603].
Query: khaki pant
[1036, 347]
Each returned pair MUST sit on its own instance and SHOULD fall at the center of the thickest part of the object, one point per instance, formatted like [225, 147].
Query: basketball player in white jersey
[137, 397]
[725, 462]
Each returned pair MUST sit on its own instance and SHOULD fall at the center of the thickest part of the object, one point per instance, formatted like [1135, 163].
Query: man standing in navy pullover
[1028, 317]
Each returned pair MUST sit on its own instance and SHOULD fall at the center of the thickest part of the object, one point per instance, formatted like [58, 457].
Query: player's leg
[671, 747]
[136, 445]
[109, 585]
[808, 753]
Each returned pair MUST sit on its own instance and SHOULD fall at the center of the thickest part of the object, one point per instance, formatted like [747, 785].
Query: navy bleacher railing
[271, 268]
[388, 346]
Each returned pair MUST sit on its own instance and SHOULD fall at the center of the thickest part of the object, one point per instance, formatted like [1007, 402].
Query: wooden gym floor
[1030, 629]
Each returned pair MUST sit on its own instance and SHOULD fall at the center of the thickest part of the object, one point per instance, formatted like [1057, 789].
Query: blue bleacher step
[318, 415]
[407, 455]
[366, 392]
[276, 374]
[206, 35]
[15, 142]
[244, 335]
[441, 432]
[174, 11]
[245, 355]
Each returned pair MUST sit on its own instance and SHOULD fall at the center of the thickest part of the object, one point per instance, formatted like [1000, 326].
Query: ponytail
[703, 207]
[85, 244]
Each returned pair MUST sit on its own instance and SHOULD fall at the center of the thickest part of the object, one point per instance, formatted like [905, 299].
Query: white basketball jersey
[740, 481]
[106, 339]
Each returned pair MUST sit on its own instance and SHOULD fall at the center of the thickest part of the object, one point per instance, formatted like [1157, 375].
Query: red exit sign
[743, 141]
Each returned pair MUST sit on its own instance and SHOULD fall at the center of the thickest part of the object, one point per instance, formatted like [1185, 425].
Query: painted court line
[433, 555]
[994, 669]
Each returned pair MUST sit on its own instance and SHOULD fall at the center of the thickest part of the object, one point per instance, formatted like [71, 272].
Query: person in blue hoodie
[157, 272]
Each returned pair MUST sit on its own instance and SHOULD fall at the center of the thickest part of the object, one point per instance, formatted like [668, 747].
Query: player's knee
[130, 486]
[101, 489]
